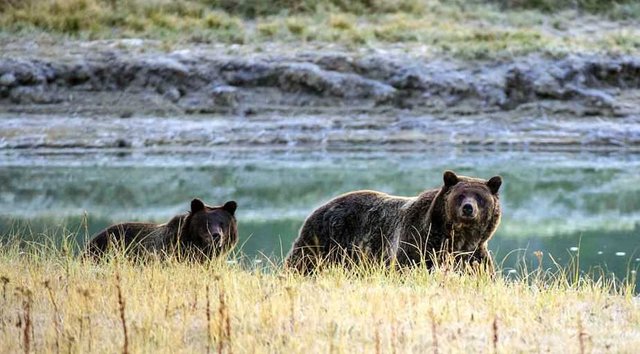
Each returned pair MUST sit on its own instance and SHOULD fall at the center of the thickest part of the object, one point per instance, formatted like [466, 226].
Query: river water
[583, 204]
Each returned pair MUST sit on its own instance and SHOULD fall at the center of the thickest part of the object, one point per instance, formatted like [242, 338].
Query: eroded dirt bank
[116, 94]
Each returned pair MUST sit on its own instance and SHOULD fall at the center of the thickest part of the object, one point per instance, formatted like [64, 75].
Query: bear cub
[203, 233]
[457, 219]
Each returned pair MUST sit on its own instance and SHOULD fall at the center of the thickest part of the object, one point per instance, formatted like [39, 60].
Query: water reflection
[563, 203]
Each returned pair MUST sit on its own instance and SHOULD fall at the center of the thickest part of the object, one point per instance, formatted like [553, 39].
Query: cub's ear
[494, 184]
[450, 178]
[196, 205]
[230, 206]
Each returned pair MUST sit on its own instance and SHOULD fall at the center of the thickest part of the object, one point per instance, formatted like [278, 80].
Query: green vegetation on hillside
[616, 8]
[476, 29]
[257, 8]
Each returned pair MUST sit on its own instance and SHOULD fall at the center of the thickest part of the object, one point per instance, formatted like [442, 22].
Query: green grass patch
[613, 9]
[478, 29]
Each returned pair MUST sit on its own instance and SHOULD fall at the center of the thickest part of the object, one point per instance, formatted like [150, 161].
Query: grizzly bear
[203, 233]
[456, 219]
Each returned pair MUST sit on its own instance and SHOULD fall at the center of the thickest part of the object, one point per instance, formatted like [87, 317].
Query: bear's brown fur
[204, 233]
[457, 219]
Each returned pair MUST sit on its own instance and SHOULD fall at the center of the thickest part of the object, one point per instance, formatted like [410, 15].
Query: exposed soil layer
[122, 94]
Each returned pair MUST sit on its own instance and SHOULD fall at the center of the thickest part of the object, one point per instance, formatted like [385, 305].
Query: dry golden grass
[52, 302]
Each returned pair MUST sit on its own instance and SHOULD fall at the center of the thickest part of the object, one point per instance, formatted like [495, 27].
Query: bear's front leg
[481, 261]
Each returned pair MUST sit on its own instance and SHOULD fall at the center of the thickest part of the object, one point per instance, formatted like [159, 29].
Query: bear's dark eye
[480, 200]
[461, 198]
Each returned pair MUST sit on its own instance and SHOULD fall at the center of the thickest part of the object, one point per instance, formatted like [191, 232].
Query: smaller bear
[204, 233]
[456, 219]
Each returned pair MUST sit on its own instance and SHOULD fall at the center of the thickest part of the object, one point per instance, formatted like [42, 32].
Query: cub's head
[472, 202]
[212, 229]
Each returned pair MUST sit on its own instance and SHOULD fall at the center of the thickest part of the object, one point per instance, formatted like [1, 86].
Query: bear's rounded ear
[494, 184]
[450, 178]
[196, 205]
[230, 206]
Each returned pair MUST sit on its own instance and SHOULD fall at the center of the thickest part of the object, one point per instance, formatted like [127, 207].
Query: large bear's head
[211, 229]
[472, 204]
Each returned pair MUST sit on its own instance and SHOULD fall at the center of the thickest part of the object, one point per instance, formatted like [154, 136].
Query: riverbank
[88, 73]
[516, 74]
[131, 93]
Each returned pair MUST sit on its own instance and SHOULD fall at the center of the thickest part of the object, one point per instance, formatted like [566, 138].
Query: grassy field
[52, 302]
[474, 30]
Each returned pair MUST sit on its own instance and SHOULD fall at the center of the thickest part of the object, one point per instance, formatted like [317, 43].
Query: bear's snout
[216, 234]
[211, 235]
[467, 210]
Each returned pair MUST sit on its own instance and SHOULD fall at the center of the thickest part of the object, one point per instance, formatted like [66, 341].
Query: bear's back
[126, 237]
[360, 223]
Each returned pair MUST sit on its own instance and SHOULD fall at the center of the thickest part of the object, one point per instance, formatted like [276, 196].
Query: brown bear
[457, 219]
[203, 233]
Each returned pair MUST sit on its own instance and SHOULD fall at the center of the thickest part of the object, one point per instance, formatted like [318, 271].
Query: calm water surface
[564, 204]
